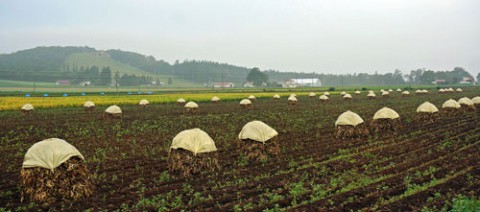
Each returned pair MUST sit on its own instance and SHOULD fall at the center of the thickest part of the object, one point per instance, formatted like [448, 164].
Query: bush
[364, 89]
[463, 203]
[331, 89]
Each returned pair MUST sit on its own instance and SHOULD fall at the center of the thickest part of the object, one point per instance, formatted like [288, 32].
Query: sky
[322, 36]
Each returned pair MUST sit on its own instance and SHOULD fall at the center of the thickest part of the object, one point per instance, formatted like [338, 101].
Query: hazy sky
[329, 36]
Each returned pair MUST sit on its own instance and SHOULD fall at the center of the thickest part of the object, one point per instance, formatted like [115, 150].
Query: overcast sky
[325, 36]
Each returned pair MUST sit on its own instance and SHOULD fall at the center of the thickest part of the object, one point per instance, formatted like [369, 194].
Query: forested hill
[79, 64]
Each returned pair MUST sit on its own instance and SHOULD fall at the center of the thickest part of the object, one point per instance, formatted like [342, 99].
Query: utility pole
[223, 82]
[116, 81]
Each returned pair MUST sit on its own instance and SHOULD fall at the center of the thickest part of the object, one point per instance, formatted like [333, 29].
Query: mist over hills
[78, 64]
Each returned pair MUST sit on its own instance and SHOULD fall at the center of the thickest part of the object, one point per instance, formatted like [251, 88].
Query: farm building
[293, 83]
[223, 85]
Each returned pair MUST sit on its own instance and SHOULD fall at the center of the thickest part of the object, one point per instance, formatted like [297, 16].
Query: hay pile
[252, 98]
[276, 96]
[312, 95]
[191, 107]
[451, 107]
[458, 90]
[89, 106]
[246, 103]
[476, 101]
[326, 93]
[399, 90]
[347, 97]
[441, 90]
[113, 112]
[53, 170]
[350, 125]
[405, 93]
[324, 98]
[143, 103]
[371, 95]
[385, 94]
[466, 104]
[386, 121]
[426, 113]
[292, 101]
[215, 99]
[181, 102]
[192, 151]
[358, 92]
[26, 109]
[258, 141]
[343, 93]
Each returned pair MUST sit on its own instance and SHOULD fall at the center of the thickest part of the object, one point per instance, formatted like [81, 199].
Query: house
[307, 82]
[223, 85]
[248, 85]
[467, 80]
[62, 82]
[85, 83]
[439, 82]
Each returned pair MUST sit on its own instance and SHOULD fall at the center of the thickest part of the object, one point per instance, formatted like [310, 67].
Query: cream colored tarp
[49, 154]
[441, 90]
[385, 93]
[311, 94]
[252, 97]
[276, 96]
[465, 101]
[191, 105]
[215, 99]
[371, 94]
[27, 107]
[424, 91]
[427, 107]
[349, 118]
[381, 90]
[88, 104]
[343, 93]
[245, 102]
[476, 100]
[358, 92]
[386, 113]
[347, 96]
[406, 93]
[143, 102]
[418, 91]
[257, 131]
[114, 109]
[390, 90]
[370, 91]
[323, 97]
[451, 104]
[449, 89]
[292, 98]
[326, 93]
[181, 100]
[459, 90]
[399, 90]
[194, 140]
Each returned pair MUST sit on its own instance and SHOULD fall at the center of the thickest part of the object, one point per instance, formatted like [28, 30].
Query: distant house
[308, 82]
[223, 85]
[467, 80]
[85, 83]
[439, 82]
[248, 85]
[62, 82]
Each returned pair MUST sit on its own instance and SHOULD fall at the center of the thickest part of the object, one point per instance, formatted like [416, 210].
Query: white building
[308, 82]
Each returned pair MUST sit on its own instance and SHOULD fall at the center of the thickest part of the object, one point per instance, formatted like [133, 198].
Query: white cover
[252, 97]
[245, 102]
[418, 91]
[385, 93]
[27, 107]
[326, 93]
[88, 104]
[114, 109]
[465, 101]
[476, 100]
[358, 92]
[194, 140]
[406, 93]
[399, 90]
[371, 94]
[191, 105]
[143, 102]
[386, 113]
[370, 91]
[390, 90]
[181, 100]
[427, 107]
[292, 98]
[49, 153]
[459, 90]
[257, 131]
[215, 99]
[323, 97]
[424, 91]
[451, 104]
[349, 118]
[276, 96]
[343, 93]
[312, 94]
[381, 90]
[347, 96]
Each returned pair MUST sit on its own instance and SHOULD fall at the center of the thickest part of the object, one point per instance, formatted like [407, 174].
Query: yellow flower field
[14, 103]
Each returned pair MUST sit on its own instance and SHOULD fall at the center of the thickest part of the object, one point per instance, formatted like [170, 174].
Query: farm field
[424, 166]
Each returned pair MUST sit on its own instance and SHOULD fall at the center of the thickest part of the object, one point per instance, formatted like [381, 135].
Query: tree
[257, 77]
[478, 78]
[105, 76]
